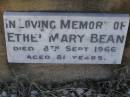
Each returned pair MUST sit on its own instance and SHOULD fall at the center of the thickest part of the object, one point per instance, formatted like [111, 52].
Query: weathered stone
[48, 72]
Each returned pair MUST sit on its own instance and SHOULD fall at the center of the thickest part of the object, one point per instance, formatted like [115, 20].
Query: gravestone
[56, 72]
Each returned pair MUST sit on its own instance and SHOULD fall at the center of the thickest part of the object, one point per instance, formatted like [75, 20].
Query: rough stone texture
[47, 72]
